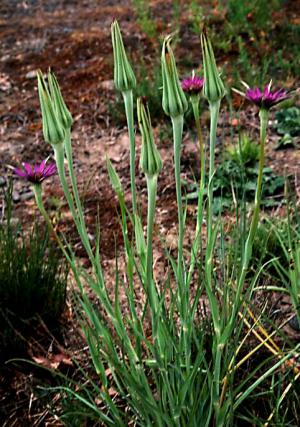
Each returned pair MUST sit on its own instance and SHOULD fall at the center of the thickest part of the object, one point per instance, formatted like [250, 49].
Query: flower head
[60, 107]
[124, 77]
[150, 162]
[264, 99]
[53, 129]
[213, 89]
[174, 101]
[36, 174]
[192, 85]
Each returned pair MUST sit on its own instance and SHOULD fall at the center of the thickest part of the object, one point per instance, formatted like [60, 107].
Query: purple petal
[20, 173]
[50, 169]
[42, 166]
[267, 91]
[28, 168]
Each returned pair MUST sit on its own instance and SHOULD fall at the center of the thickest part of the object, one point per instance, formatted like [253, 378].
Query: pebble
[26, 196]
[294, 323]
[107, 85]
[31, 74]
[16, 196]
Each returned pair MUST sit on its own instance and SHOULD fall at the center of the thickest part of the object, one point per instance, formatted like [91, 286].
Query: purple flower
[36, 173]
[265, 99]
[192, 85]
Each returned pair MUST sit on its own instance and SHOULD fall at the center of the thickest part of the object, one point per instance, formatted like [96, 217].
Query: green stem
[59, 158]
[196, 245]
[264, 114]
[214, 114]
[152, 188]
[219, 417]
[211, 234]
[177, 123]
[211, 237]
[69, 155]
[37, 189]
[128, 101]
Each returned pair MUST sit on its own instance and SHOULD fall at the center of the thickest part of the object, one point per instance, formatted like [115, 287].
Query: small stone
[27, 196]
[16, 196]
[107, 85]
[294, 323]
[31, 74]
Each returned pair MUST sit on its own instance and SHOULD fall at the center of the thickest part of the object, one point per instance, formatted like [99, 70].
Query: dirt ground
[73, 38]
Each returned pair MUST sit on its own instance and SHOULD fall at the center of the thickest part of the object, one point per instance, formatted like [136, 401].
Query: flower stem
[211, 233]
[69, 155]
[152, 188]
[177, 123]
[59, 158]
[263, 114]
[128, 101]
[196, 245]
[211, 238]
[37, 189]
[214, 111]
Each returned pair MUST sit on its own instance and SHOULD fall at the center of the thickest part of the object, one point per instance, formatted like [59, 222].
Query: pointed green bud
[150, 162]
[140, 243]
[174, 101]
[114, 177]
[60, 107]
[124, 77]
[52, 128]
[214, 89]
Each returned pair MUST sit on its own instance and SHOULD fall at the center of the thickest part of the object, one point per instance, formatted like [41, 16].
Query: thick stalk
[211, 237]
[150, 286]
[69, 155]
[37, 189]
[152, 188]
[264, 114]
[211, 234]
[214, 114]
[177, 123]
[128, 101]
[196, 245]
[59, 158]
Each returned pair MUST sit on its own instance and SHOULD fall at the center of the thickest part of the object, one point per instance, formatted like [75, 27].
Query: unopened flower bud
[174, 101]
[124, 77]
[214, 89]
[139, 239]
[114, 177]
[52, 128]
[60, 107]
[150, 162]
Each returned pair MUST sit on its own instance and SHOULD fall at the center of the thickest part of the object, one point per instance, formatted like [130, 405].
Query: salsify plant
[161, 361]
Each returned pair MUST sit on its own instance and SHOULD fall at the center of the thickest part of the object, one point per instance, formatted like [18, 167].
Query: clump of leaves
[267, 245]
[245, 153]
[33, 280]
[287, 124]
[144, 17]
[288, 121]
[236, 178]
